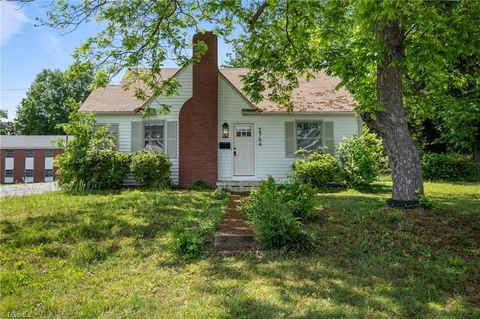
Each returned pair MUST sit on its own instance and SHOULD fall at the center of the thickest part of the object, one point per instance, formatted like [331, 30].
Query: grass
[110, 255]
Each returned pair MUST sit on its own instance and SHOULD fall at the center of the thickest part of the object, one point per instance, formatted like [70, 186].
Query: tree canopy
[6, 127]
[447, 117]
[49, 101]
[380, 49]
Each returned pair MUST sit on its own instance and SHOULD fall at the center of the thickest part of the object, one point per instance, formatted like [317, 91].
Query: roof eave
[110, 112]
[256, 112]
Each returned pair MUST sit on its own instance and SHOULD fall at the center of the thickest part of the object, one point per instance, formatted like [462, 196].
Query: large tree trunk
[476, 152]
[391, 124]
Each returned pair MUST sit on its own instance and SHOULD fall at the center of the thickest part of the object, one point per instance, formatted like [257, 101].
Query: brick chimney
[198, 120]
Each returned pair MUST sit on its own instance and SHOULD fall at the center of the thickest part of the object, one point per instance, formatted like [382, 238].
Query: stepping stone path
[234, 234]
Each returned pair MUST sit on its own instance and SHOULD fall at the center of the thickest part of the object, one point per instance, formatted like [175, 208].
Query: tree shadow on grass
[291, 288]
[459, 204]
[349, 203]
[380, 264]
[323, 288]
[241, 306]
[374, 189]
[330, 190]
[143, 218]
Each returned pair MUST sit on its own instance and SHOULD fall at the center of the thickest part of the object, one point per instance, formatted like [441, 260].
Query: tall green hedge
[450, 166]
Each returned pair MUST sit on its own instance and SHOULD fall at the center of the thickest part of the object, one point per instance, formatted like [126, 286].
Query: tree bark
[391, 124]
[476, 153]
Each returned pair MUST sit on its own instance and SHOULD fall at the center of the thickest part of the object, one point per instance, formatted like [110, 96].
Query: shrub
[317, 169]
[221, 193]
[272, 218]
[300, 198]
[360, 158]
[88, 162]
[199, 185]
[449, 166]
[151, 169]
[107, 168]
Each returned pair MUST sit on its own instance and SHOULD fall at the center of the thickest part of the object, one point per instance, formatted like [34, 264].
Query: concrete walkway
[27, 189]
[234, 234]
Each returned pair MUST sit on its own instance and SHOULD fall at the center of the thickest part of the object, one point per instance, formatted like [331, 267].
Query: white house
[214, 133]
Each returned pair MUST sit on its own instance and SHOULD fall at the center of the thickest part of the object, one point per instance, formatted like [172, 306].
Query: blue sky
[25, 49]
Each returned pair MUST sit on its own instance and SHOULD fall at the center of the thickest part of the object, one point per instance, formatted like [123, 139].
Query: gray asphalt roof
[317, 95]
[30, 141]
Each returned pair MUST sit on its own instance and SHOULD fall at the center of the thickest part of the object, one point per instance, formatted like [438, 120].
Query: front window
[29, 153]
[48, 153]
[49, 173]
[309, 136]
[9, 173]
[112, 130]
[9, 153]
[154, 138]
[29, 173]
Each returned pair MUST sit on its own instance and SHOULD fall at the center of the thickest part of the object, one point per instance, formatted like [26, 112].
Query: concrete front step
[232, 241]
[238, 186]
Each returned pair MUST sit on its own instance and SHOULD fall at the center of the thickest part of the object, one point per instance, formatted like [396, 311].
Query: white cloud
[12, 20]
[53, 45]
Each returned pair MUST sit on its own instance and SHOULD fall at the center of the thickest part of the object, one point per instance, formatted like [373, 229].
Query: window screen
[309, 136]
[153, 137]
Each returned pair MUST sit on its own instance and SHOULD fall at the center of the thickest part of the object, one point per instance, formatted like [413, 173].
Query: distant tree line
[51, 98]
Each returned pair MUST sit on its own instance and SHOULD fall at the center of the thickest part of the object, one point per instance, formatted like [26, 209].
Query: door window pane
[154, 140]
[309, 136]
[243, 130]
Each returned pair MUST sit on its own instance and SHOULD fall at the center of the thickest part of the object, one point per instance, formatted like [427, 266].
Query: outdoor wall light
[226, 130]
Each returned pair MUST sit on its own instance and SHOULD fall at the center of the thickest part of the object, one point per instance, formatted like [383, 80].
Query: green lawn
[110, 255]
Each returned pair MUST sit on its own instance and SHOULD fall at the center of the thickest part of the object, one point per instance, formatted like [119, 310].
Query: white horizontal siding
[176, 102]
[125, 120]
[270, 157]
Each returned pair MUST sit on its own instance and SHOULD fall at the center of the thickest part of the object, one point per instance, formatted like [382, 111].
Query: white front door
[243, 150]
